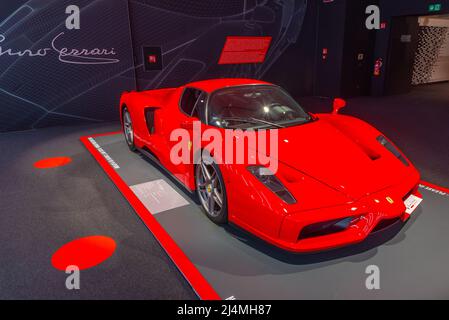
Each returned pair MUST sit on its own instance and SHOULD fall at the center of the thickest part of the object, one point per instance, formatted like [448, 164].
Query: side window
[199, 105]
[189, 100]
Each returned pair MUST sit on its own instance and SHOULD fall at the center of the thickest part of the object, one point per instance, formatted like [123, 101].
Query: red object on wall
[240, 50]
[378, 66]
[325, 52]
[152, 58]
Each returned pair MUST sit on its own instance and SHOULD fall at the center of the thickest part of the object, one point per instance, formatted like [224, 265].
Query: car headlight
[390, 147]
[268, 178]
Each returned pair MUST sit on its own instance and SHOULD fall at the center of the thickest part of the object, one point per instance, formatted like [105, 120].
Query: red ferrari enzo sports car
[338, 179]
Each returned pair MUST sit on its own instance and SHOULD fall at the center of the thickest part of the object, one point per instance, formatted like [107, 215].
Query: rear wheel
[211, 191]
[128, 129]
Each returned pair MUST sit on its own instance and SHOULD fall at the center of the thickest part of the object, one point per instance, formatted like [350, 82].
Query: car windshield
[254, 107]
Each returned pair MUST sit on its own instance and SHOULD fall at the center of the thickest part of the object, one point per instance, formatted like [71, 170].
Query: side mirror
[337, 105]
[187, 124]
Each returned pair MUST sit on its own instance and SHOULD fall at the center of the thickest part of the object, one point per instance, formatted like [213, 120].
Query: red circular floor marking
[52, 162]
[84, 252]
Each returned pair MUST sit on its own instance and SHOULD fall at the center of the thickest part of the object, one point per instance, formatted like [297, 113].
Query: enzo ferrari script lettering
[10, 52]
[81, 56]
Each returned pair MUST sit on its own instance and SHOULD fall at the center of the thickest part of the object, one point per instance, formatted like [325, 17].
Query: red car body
[334, 167]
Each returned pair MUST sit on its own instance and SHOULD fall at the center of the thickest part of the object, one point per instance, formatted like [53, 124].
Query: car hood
[323, 152]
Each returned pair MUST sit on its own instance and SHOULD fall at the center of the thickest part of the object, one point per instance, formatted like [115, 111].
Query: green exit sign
[435, 7]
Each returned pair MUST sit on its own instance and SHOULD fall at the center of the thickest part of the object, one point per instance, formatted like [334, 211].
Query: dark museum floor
[43, 209]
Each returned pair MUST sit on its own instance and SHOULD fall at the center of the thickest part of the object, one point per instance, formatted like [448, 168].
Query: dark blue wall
[39, 91]
[192, 34]
[47, 89]
[42, 91]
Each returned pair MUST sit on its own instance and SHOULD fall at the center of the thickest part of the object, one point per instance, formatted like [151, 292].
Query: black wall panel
[390, 10]
[192, 35]
[295, 69]
[358, 51]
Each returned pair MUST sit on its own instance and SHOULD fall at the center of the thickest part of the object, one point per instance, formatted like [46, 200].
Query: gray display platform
[412, 258]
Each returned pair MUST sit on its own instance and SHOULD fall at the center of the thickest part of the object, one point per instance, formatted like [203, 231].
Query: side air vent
[149, 118]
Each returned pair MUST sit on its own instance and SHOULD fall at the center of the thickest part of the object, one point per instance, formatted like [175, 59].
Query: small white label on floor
[411, 203]
[158, 196]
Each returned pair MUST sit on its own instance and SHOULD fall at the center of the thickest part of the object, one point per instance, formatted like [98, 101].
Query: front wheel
[211, 191]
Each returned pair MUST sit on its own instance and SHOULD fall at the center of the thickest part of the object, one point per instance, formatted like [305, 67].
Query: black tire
[128, 131]
[218, 216]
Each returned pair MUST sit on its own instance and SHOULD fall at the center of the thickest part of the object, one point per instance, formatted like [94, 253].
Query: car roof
[215, 84]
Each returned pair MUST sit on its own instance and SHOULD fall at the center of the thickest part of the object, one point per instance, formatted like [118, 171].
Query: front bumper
[366, 213]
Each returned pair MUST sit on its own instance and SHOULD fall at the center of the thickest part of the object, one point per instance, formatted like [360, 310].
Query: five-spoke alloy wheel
[211, 191]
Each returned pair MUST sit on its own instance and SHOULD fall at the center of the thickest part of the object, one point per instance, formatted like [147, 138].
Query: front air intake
[325, 228]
